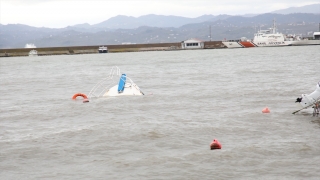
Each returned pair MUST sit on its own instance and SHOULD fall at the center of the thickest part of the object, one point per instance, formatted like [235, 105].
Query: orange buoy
[215, 144]
[79, 94]
[266, 110]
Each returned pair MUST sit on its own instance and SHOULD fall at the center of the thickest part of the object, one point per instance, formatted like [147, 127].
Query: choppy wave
[192, 98]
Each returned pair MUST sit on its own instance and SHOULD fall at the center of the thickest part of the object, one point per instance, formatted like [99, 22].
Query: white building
[316, 35]
[192, 44]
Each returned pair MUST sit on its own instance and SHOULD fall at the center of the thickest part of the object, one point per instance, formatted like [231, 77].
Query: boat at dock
[271, 38]
[103, 49]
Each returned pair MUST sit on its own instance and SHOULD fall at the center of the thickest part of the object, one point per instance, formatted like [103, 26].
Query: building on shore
[192, 44]
[316, 35]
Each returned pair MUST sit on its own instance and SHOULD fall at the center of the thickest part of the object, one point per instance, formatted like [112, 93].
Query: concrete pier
[72, 50]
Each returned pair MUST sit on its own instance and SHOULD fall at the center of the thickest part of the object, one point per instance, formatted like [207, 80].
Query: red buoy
[215, 144]
[85, 100]
[266, 110]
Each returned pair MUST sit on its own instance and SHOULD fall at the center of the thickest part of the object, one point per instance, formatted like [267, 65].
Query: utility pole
[210, 32]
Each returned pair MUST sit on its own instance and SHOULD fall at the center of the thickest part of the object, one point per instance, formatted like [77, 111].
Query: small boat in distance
[103, 49]
[33, 53]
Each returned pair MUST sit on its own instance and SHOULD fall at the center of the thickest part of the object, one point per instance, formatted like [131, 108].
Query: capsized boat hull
[128, 90]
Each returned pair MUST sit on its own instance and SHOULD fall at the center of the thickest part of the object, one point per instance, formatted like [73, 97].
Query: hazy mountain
[84, 26]
[129, 22]
[152, 20]
[15, 35]
[156, 29]
[313, 8]
[296, 18]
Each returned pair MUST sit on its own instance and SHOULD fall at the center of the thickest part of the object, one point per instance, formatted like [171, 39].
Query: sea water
[191, 97]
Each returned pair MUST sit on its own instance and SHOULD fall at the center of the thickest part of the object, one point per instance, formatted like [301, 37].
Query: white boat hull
[307, 100]
[129, 90]
[232, 44]
[116, 84]
[273, 44]
[247, 44]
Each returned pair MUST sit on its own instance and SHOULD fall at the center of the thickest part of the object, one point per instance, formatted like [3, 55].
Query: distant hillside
[129, 22]
[152, 20]
[313, 8]
[222, 26]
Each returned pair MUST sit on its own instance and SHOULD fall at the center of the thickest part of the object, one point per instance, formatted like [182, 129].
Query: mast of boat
[274, 27]
[259, 28]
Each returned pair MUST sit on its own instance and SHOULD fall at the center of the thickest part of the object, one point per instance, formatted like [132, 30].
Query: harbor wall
[72, 50]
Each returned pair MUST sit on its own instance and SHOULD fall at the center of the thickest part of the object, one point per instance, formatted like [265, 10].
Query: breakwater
[71, 50]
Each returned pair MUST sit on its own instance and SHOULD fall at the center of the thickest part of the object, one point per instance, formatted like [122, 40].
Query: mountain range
[313, 8]
[161, 29]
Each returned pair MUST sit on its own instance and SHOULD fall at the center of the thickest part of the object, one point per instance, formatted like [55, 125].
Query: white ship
[270, 38]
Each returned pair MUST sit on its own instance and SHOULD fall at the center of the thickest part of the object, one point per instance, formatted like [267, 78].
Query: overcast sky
[61, 13]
